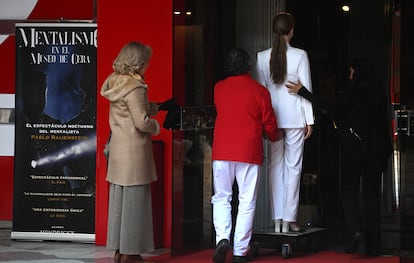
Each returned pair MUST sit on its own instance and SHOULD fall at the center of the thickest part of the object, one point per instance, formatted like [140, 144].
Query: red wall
[149, 22]
[119, 22]
[6, 187]
[7, 73]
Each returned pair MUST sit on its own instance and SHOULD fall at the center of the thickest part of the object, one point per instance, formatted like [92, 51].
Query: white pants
[285, 169]
[247, 178]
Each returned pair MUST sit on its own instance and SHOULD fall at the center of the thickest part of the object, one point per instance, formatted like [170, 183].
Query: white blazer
[292, 111]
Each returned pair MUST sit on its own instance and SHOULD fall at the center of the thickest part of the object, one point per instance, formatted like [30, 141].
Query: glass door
[202, 30]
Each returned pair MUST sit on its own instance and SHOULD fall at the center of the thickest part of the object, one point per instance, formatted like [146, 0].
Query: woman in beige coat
[131, 166]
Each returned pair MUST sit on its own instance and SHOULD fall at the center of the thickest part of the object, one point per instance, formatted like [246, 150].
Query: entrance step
[5, 229]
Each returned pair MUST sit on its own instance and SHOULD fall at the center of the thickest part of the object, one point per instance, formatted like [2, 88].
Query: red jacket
[244, 113]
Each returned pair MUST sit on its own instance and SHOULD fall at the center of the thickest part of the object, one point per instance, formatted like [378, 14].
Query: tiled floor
[24, 251]
[54, 252]
[57, 252]
[71, 252]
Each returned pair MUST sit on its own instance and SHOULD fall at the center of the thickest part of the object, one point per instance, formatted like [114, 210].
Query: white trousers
[285, 167]
[247, 178]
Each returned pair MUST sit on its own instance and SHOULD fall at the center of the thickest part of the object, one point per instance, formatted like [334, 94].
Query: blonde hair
[132, 58]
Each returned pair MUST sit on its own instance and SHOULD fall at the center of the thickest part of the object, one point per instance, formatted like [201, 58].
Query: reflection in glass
[6, 116]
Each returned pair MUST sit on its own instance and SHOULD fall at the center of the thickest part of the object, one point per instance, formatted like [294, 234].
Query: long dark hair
[282, 24]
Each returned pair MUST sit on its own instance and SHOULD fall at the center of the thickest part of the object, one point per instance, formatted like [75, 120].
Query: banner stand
[55, 132]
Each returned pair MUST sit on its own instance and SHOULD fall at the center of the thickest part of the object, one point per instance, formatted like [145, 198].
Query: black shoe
[220, 253]
[240, 259]
[353, 243]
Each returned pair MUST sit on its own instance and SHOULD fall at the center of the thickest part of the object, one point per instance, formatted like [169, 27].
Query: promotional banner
[55, 132]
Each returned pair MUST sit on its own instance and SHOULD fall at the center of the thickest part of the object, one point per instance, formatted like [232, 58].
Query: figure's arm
[304, 75]
[269, 120]
[298, 88]
[138, 105]
[259, 70]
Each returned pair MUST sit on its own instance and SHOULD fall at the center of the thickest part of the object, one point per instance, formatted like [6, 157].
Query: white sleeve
[304, 75]
[304, 72]
[259, 71]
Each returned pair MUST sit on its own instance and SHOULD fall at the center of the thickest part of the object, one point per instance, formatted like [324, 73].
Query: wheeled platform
[268, 239]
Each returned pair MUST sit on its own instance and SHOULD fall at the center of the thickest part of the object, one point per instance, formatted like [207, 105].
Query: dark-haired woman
[361, 113]
[275, 67]
[362, 116]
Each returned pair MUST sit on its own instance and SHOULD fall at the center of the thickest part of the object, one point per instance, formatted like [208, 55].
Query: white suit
[293, 115]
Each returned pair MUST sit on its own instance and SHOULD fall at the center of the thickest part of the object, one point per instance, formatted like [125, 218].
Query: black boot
[240, 259]
[220, 253]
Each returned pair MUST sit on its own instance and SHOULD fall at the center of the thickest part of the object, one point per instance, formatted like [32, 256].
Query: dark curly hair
[238, 62]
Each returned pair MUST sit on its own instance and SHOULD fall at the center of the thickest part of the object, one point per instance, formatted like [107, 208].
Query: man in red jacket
[244, 115]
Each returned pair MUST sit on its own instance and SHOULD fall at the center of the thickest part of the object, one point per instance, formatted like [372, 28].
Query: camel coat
[131, 160]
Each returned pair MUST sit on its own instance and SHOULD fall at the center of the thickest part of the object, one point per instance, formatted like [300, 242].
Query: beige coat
[131, 160]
